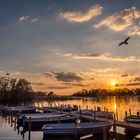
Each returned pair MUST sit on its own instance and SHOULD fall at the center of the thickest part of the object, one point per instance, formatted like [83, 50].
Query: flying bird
[125, 41]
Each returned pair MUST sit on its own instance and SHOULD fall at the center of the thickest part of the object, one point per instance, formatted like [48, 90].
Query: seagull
[125, 41]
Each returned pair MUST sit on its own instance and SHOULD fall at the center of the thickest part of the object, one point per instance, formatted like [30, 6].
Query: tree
[13, 88]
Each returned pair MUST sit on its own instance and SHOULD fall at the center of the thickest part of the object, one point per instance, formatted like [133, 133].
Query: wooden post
[94, 115]
[80, 113]
[104, 108]
[87, 107]
[114, 126]
[79, 107]
[30, 120]
[104, 133]
[125, 114]
[130, 111]
[15, 121]
[117, 114]
[61, 109]
[94, 108]
[107, 115]
[91, 111]
[138, 113]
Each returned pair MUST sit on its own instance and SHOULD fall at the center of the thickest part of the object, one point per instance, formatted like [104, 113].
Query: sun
[113, 83]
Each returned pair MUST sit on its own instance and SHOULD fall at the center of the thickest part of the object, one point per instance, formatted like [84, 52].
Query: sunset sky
[67, 45]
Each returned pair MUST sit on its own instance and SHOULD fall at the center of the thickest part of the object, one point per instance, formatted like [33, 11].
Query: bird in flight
[125, 41]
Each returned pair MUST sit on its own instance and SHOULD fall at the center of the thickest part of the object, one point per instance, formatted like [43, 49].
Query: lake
[116, 104]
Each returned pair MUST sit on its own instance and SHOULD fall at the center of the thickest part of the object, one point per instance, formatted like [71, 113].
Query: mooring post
[130, 111]
[138, 113]
[61, 109]
[30, 119]
[117, 115]
[94, 108]
[15, 121]
[104, 133]
[125, 114]
[94, 113]
[114, 126]
[91, 111]
[107, 117]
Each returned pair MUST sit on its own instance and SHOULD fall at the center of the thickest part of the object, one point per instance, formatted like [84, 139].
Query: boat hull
[76, 131]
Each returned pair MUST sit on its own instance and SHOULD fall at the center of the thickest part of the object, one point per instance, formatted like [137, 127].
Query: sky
[69, 45]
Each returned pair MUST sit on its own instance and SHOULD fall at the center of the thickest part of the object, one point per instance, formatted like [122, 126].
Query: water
[120, 104]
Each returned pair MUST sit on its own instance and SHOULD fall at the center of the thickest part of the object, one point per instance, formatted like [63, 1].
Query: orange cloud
[79, 17]
[107, 57]
[120, 20]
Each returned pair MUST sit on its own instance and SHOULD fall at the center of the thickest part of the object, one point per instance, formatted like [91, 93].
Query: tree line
[105, 92]
[13, 89]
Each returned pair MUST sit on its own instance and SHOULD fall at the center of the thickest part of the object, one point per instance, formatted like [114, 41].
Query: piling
[107, 117]
[114, 126]
[104, 134]
[130, 111]
[125, 114]
[94, 113]
[30, 120]
[117, 117]
[91, 111]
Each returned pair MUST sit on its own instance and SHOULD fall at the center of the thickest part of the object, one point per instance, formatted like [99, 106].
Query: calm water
[8, 131]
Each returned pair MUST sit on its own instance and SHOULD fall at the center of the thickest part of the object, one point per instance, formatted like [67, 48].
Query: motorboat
[74, 129]
[132, 119]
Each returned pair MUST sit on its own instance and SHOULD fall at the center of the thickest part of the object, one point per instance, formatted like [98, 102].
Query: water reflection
[115, 104]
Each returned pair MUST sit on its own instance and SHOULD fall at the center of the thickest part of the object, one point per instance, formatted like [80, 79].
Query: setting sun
[113, 82]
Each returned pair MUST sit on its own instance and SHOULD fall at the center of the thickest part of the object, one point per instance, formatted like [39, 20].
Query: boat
[65, 108]
[72, 129]
[36, 116]
[97, 113]
[132, 119]
[39, 122]
[22, 109]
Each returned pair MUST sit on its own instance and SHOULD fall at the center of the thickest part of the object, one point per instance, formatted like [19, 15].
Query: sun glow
[113, 83]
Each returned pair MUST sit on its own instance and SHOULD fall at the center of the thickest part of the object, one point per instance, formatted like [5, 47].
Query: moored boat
[22, 109]
[97, 113]
[72, 129]
[132, 119]
[39, 122]
[36, 116]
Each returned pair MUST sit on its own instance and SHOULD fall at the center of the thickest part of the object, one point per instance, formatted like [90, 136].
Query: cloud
[76, 84]
[64, 77]
[39, 84]
[121, 20]
[57, 87]
[67, 77]
[124, 75]
[23, 18]
[34, 20]
[135, 30]
[106, 57]
[137, 79]
[27, 18]
[133, 84]
[79, 16]
[48, 75]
